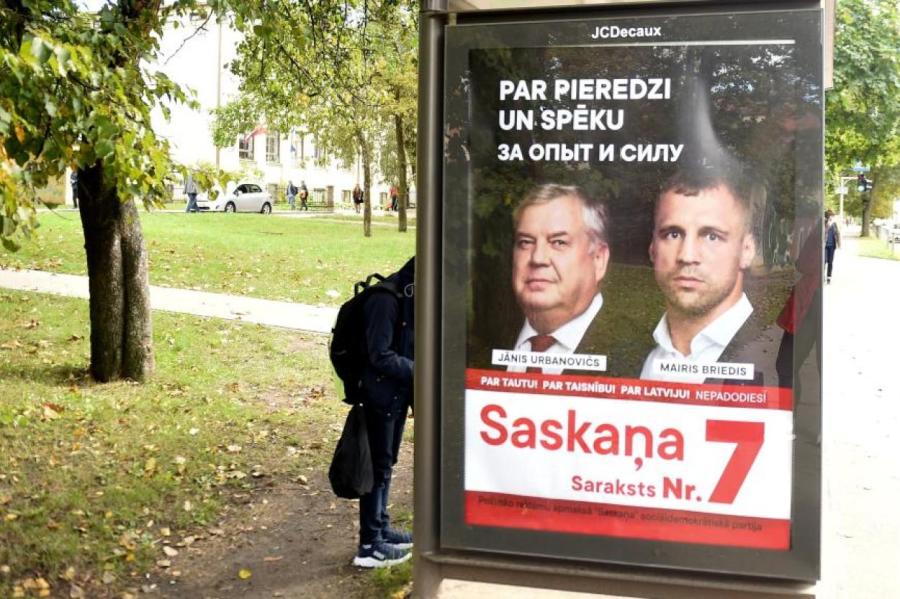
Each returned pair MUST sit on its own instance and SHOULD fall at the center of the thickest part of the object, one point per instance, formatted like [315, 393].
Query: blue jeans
[192, 203]
[385, 434]
[829, 259]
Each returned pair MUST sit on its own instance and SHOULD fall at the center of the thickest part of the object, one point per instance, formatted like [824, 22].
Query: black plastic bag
[351, 473]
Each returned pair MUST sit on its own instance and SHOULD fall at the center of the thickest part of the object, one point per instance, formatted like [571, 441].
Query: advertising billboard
[631, 289]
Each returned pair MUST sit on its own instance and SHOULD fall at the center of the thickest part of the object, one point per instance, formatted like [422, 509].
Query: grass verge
[96, 479]
[394, 582]
[308, 260]
[876, 248]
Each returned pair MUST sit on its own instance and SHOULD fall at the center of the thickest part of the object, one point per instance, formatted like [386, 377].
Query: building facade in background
[196, 56]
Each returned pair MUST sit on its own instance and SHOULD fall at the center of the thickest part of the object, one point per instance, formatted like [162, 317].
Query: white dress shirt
[706, 346]
[568, 336]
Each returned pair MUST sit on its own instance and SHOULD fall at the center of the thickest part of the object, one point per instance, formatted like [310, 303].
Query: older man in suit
[560, 256]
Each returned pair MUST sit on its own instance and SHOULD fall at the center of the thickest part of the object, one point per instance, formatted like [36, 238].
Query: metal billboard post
[432, 19]
[474, 540]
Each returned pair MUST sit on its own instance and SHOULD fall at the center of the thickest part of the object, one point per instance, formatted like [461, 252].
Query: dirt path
[295, 540]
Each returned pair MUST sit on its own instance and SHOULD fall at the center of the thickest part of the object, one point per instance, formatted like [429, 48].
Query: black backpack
[348, 351]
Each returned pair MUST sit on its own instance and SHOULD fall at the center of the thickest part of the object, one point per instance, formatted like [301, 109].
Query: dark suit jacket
[750, 345]
[622, 339]
[624, 352]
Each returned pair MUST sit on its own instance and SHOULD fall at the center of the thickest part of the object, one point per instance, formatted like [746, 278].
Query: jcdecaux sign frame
[627, 296]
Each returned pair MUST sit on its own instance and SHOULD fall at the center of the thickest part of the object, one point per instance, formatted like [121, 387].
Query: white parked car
[245, 197]
[895, 234]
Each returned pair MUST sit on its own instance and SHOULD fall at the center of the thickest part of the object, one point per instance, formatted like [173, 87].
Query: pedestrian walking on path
[73, 179]
[357, 198]
[832, 242]
[292, 194]
[190, 189]
[304, 195]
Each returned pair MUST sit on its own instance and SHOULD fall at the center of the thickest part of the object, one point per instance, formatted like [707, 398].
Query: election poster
[632, 219]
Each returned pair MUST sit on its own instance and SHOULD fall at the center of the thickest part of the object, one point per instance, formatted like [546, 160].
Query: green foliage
[209, 178]
[233, 120]
[863, 109]
[881, 196]
[340, 70]
[75, 90]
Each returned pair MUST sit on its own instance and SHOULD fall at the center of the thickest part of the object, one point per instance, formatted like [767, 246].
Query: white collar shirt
[706, 346]
[567, 337]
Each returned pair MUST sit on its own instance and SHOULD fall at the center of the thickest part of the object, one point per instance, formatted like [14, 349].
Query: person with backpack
[291, 194]
[304, 195]
[383, 385]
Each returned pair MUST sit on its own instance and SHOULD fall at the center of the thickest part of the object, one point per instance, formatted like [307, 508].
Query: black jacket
[390, 331]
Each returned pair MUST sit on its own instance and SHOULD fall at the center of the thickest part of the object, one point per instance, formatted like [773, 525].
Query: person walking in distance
[395, 195]
[73, 179]
[190, 189]
[357, 197]
[832, 242]
[304, 195]
[387, 397]
[291, 194]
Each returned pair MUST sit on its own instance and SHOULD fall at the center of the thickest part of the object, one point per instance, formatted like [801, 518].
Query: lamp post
[842, 191]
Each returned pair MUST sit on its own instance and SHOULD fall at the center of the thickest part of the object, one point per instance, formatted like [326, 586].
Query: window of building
[245, 148]
[273, 148]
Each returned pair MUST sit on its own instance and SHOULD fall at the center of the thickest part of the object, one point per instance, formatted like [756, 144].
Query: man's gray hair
[596, 217]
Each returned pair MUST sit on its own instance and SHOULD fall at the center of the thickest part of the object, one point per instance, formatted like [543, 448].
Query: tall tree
[863, 109]
[76, 91]
[342, 70]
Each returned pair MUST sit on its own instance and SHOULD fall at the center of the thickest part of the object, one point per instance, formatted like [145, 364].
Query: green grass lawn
[386, 219]
[876, 248]
[307, 260]
[94, 477]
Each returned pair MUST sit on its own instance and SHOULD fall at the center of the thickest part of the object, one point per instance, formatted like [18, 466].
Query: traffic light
[863, 185]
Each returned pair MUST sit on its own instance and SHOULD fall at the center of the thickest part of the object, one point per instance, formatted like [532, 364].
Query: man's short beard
[696, 309]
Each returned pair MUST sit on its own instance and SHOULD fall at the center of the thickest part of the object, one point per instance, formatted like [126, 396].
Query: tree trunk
[121, 332]
[367, 183]
[401, 168]
[866, 215]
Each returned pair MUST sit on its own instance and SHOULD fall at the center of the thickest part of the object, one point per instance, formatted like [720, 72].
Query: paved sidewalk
[319, 215]
[861, 417]
[316, 319]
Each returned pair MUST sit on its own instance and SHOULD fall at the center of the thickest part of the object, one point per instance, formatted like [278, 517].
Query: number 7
[749, 437]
